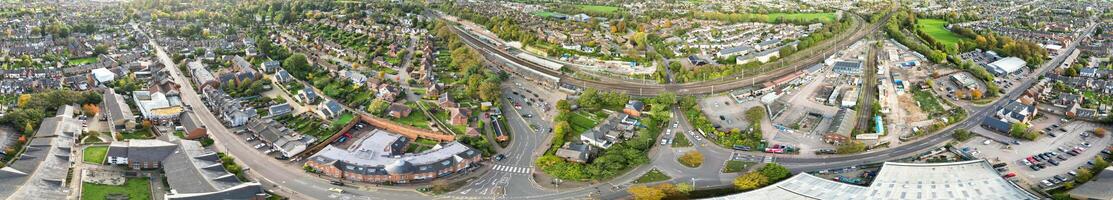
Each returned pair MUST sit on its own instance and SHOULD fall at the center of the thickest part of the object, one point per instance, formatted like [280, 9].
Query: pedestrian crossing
[512, 169]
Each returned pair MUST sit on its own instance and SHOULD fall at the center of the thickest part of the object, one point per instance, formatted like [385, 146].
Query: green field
[736, 166]
[82, 61]
[343, 120]
[599, 9]
[937, 28]
[95, 154]
[134, 188]
[652, 176]
[928, 102]
[824, 17]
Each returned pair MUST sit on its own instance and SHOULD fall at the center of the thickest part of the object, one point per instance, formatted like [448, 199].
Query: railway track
[696, 88]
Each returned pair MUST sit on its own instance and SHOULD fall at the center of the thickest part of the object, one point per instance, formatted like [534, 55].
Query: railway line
[696, 88]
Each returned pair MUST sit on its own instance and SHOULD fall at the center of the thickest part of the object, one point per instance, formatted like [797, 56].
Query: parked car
[336, 183]
[1009, 175]
[499, 157]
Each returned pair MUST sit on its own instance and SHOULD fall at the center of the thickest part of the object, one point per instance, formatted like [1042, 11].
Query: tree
[750, 181]
[24, 99]
[90, 110]
[563, 106]
[100, 49]
[1100, 132]
[377, 106]
[976, 94]
[1100, 163]
[1084, 175]
[488, 91]
[962, 135]
[671, 191]
[1020, 130]
[691, 159]
[642, 192]
[775, 172]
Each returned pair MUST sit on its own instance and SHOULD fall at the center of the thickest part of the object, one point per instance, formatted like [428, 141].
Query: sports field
[824, 17]
[599, 9]
[937, 28]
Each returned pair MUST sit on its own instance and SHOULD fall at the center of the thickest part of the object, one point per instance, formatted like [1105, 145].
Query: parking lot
[723, 111]
[1072, 146]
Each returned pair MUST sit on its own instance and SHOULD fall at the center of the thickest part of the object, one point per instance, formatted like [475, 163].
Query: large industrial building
[381, 158]
[975, 179]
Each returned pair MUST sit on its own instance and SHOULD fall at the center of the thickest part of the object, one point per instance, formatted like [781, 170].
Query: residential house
[330, 109]
[284, 140]
[575, 152]
[634, 108]
[307, 95]
[445, 101]
[192, 126]
[195, 173]
[282, 76]
[1067, 99]
[458, 116]
[398, 110]
[271, 66]
[117, 110]
[608, 132]
[140, 154]
[279, 110]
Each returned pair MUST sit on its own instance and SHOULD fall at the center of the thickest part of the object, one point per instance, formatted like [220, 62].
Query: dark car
[1034, 167]
[500, 157]
[741, 148]
[825, 151]
[1053, 162]
[336, 183]
[281, 157]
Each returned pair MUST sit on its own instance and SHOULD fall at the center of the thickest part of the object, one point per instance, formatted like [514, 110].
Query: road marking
[512, 169]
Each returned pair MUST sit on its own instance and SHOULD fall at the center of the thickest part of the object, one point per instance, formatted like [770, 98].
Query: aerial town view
[556, 99]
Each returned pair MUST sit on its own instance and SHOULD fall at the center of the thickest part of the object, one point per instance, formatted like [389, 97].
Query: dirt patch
[911, 111]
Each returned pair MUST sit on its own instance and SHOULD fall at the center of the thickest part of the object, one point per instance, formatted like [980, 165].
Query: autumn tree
[1100, 132]
[976, 94]
[750, 181]
[1084, 175]
[90, 110]
[642, 192]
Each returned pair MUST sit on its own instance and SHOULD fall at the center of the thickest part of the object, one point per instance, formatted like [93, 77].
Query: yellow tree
[750, 181]
[642, 192]
[976, 94]
[23, 100]
[692, 159]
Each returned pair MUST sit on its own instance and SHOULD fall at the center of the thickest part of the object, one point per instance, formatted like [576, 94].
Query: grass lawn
[343, 120]
[82, 61]
[937, 28]
[599, 9]
[138, 134]
[928, 102]
[652, 176]
[134, 188]
[824, 17]
[581, 122]
[416, 117]
[736, 166]
[681, 141]
[95, 154]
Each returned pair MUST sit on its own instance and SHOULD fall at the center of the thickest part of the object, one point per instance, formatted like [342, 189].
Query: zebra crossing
[512, 169]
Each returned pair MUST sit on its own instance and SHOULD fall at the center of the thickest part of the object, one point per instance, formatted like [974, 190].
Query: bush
[962, 135]
[775, 172]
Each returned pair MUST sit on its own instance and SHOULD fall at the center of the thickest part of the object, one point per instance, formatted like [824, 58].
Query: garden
[95, 154]
[133, 188]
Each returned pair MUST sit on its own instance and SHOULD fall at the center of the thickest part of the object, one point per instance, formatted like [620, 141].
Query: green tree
[750, 181]
[1100, 163]
[1084, 175]
[378, 106]
[775, 172]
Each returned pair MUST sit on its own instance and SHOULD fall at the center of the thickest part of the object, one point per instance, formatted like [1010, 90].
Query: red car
[1009, 175]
